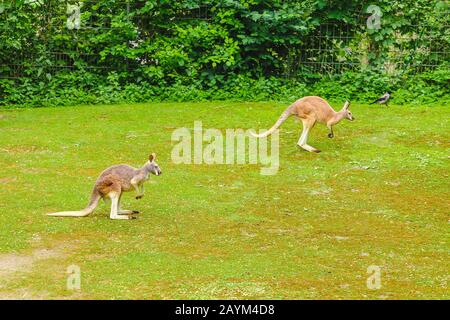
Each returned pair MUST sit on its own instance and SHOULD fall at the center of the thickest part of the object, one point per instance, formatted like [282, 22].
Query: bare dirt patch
[7, 180]
[11, 263]
[20, 149]
[22, 294]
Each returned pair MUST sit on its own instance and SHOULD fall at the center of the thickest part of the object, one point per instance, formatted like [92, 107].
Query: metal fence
[334, 48]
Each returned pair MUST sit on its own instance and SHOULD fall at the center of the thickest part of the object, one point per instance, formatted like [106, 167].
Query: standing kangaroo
[111, 183]
[310, 110]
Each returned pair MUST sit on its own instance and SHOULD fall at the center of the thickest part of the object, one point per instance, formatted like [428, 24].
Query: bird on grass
[383, 99]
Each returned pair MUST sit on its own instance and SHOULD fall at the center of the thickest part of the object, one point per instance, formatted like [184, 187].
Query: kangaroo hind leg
[307, 125]
[115, 203]
[122, 211]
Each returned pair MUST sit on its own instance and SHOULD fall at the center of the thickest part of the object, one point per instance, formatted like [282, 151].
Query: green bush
[85, 88]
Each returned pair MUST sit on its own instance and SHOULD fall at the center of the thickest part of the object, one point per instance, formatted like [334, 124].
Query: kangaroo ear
[346, 105]
[152, 157]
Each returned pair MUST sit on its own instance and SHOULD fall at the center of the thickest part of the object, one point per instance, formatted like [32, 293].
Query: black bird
[383, 99]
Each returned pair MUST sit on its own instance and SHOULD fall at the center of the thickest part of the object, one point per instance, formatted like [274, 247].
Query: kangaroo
[310, 110]
[111, 183]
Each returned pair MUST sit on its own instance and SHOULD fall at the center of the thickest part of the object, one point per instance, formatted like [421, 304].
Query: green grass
[376, 195]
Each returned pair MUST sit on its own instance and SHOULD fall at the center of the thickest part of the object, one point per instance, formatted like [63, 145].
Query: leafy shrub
[84, 88]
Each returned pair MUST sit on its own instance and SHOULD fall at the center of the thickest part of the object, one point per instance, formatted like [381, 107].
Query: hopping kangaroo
[310, 110]
[112, 183]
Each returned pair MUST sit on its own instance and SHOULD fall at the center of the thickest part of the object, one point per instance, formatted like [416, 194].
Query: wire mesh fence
[332, 47]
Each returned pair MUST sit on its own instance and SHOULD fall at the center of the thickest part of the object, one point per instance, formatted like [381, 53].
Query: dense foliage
[221, 49]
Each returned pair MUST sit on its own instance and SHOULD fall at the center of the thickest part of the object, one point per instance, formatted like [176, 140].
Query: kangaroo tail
[95, 198]
[286, 114]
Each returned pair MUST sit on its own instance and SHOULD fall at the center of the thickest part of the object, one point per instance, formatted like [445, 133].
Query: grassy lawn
[378, 194]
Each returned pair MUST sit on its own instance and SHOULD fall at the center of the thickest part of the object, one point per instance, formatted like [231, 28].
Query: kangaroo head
[347, 113]
[152, 165]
